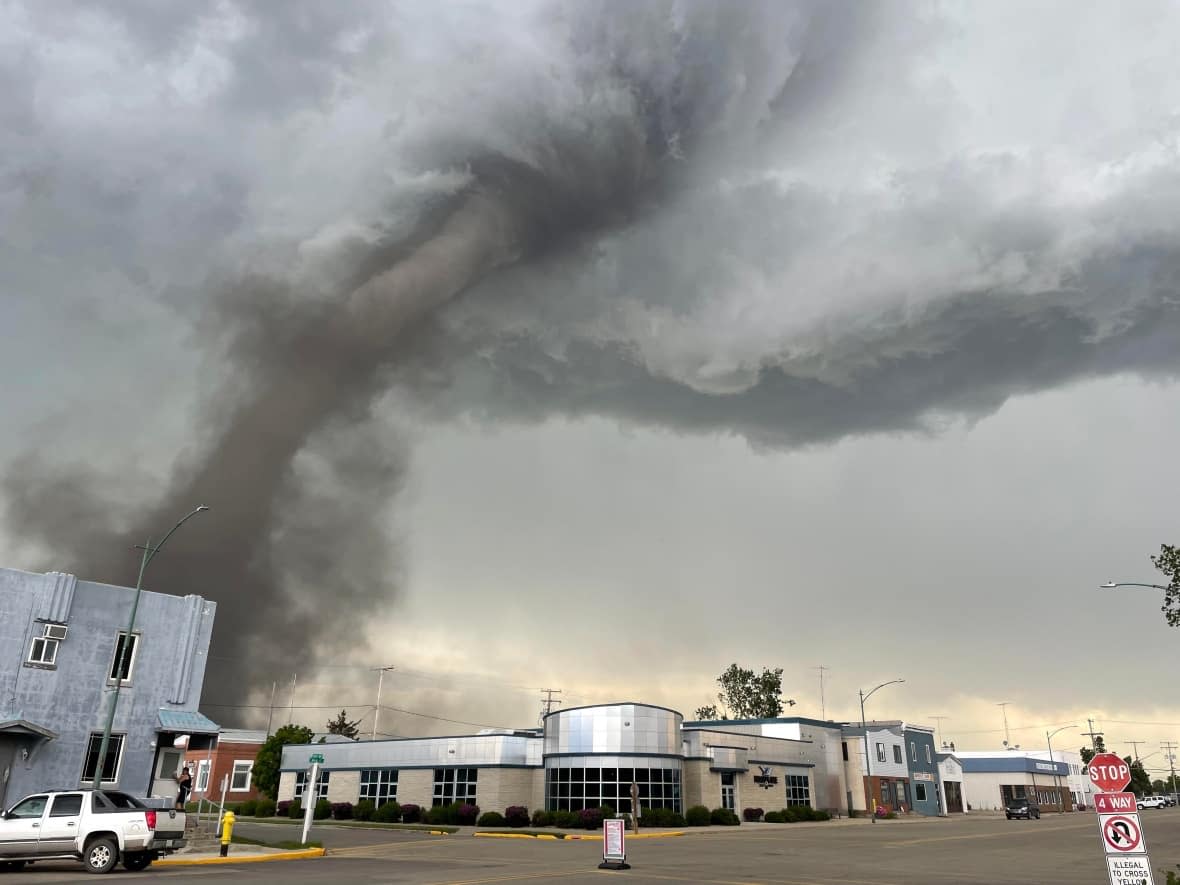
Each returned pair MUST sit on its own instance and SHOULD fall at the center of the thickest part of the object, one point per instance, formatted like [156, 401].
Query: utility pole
[271, 712]
[938, 726]
[1004, 708]
[547, 702]
[1093, 735]
[1135, 746]
[1169, 748]
[823, 710]
[377, 710]
[291, 699]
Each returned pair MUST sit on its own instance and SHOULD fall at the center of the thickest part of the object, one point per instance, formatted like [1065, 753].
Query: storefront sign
[765, 780]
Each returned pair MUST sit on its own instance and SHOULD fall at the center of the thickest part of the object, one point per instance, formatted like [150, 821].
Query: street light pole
[1056, 776]
[149, 553]
[871, 808]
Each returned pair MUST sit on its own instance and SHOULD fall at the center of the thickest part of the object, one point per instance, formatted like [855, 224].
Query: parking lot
[976, 849]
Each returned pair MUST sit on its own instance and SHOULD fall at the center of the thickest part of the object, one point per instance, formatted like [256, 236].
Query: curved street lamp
[1056, 776]
[868, 767]
[149, 553]
[1111, 585]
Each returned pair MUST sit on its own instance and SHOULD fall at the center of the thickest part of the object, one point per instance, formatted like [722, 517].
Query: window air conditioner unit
[56, 631]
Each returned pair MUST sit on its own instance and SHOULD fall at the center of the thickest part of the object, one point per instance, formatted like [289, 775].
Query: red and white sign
[614, 840]
[1121, 833]
[1109, 773]
[1115, 803]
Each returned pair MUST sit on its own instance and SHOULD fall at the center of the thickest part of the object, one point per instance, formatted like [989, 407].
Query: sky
[596, 347]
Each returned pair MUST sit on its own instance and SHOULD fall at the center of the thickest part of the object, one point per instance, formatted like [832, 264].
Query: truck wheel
[101, 855]
[136, 861]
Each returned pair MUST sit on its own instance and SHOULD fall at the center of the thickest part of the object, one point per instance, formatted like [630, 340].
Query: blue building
[922, 758]
[60, 644]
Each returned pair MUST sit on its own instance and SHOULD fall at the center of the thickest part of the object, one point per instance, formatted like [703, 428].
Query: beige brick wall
[415, 786]
[344, 786]
[701, 786]
[498, 788]
[287, 786]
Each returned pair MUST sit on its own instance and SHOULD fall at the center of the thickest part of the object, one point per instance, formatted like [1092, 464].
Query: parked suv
[1022, 808]
[1151, 802]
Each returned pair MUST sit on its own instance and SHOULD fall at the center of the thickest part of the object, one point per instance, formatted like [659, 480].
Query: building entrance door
[164, 777]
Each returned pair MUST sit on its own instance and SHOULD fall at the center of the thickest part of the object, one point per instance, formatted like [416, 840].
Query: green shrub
[389, 813]
[724, 817]
[364, 810]
[264, 808]
[542, 818]
[323, 809]
[820, 815]
[295, 809]
[438, 815]
[792, 815]
[660, 817]
[752, 814]
[697, 816]
[491, 819]
[247, 808]
[774, 817]
[566, 820]
[342, 810]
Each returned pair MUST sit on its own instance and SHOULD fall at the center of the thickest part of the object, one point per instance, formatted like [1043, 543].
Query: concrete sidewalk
[239, 854]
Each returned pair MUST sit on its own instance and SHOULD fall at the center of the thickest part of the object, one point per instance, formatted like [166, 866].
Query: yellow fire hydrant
[227, 832]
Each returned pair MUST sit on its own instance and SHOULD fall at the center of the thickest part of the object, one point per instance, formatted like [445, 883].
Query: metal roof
[187, 722]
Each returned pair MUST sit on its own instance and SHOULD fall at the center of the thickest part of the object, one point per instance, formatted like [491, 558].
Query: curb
[302, 854]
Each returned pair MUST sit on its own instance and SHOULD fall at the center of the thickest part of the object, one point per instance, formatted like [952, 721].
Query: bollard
[227, 832]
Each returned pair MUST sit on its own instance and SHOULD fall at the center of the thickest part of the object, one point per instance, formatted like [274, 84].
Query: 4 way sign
[1119, 826]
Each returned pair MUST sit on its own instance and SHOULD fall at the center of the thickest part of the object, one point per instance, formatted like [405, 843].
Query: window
[572, 789]
[321, 786]
[929, 758]
[913, 752]
[43, 651]
[379, 785]
[110, 765]
[920, 792]
[798, 789]
[33, 807]
[66, 805]
[124, 667]
[897, 754]
[201, 784]
[844, 745]
[239, 781]
[880, 752]
[728, 790]
[454, 785]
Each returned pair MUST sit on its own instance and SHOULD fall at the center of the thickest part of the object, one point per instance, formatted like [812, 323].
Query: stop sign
[1109, 773]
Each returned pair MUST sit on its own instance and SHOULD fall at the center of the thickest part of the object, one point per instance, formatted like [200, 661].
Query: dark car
[1022, 808]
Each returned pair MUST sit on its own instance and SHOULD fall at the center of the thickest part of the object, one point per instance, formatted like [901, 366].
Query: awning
[187, 722]
[13, 726]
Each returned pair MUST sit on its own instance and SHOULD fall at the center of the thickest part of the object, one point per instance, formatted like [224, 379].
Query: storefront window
[798, 789]
[453, 785]
[572, 789]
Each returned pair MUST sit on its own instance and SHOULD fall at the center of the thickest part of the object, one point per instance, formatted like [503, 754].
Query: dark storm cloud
[775, 220]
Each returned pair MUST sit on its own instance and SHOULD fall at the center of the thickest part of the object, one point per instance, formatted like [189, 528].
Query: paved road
[1054, 851]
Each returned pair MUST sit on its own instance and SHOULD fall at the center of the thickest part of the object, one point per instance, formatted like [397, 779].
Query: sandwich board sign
[614, 844]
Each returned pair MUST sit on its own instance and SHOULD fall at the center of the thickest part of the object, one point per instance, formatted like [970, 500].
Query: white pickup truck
[97, 827]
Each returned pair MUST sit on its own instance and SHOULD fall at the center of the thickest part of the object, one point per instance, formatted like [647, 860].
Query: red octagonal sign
[1109, 773]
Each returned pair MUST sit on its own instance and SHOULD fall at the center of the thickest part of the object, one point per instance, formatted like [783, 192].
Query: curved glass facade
[594, 754]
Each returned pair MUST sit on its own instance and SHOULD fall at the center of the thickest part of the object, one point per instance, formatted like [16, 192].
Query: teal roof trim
[187, 722]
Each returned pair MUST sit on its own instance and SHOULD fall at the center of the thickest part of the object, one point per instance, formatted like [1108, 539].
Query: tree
[341, 725]
[1140, 782]
[747, 695]
[1168, 562]
[265, 774]
[1088, 754]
